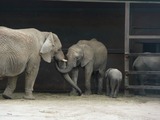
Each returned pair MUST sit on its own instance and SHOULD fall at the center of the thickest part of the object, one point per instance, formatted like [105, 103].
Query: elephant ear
[46, 48]
[87, 55]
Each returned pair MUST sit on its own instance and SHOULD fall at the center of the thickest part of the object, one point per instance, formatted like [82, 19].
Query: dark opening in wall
[71, 21]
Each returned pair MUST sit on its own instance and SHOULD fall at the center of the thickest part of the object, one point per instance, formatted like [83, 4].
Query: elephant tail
[134, 66]
[106, 74]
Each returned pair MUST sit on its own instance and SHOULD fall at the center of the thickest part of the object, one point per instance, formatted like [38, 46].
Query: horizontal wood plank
[143, 87]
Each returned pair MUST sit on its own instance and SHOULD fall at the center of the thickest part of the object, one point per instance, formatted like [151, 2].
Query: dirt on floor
[49, 106]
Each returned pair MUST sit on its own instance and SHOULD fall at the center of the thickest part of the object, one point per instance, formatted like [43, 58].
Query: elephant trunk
[64, 70]
[59, 56]
[67, 77]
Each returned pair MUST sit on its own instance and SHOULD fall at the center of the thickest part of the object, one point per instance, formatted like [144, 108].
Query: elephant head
[52, 48]
[78, 54]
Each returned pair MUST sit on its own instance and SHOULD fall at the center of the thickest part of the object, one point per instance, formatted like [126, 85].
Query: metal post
[126, 57]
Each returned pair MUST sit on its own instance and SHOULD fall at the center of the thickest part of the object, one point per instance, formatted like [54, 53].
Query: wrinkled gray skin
[146, 63]
[113, 80]
[90, 54]
[21, 50]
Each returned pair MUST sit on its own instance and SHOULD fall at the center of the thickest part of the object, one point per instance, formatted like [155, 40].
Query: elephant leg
[113, 85]
[107, 87]
[11, 85]
[88, 74]
[141, 80]
[30, 77]
[74, 78]
[116, 89]
[100, 82]
[94, 77]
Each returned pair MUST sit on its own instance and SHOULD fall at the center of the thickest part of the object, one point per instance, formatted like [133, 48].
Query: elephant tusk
[64, 60]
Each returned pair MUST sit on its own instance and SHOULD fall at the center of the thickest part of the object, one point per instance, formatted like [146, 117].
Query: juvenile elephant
[21, 50]
[90, 54]
[113, 79]
[146, 63]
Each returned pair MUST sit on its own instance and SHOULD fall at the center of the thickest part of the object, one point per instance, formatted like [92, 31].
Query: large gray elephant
[113, 80]
[90, 54]
[146, 63]
[21, 50]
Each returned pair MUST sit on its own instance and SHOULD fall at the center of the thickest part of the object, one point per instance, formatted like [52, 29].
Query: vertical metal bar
[127, 33]
[127, 26]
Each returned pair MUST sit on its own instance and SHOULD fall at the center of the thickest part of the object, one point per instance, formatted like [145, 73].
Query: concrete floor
[94, 107]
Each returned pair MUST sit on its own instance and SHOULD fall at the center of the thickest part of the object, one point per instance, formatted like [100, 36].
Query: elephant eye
[77, 58]
[59, 50]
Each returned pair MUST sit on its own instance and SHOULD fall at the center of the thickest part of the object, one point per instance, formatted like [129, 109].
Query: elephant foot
[110, 95]
[73, 93]
[88, 92]
[142, 92]
[114, 96]
[107, 94]
[100, 93]
[6, 96]
[29, 97]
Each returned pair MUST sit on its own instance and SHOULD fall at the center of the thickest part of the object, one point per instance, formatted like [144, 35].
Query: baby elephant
[113, 79]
